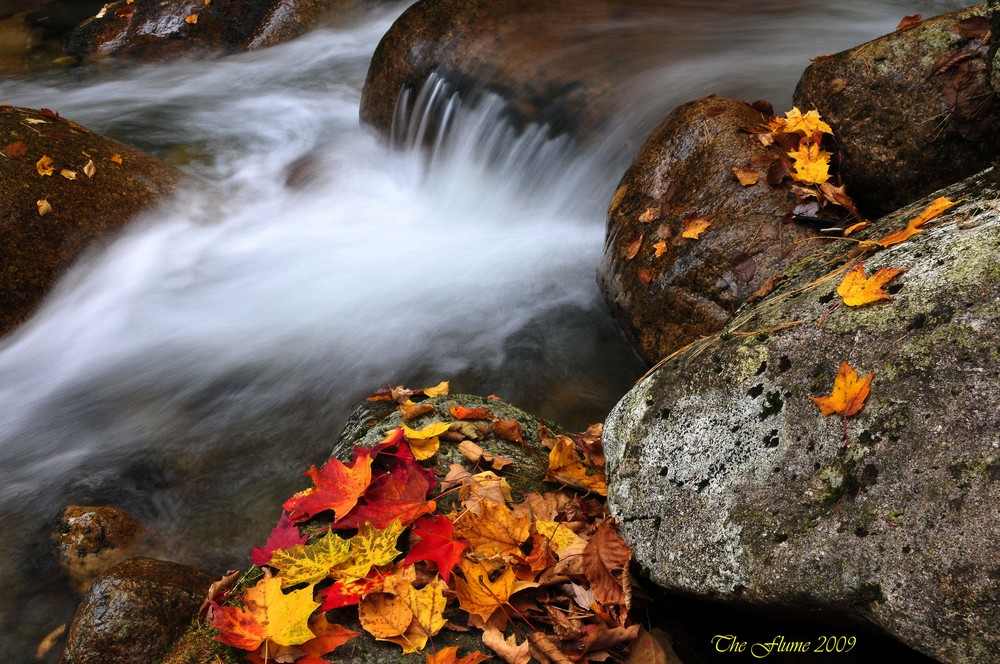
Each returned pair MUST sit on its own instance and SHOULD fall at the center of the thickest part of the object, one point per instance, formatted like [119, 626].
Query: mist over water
[191, 368]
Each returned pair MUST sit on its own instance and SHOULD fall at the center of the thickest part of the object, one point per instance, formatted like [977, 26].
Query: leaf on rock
[425, 442]
[16, 149]
[566, 468]
[935, 209]
[410, 410]
[632, 250]
[509, 430]
[973, 27]
[399, 493]
[695, 226]
[336, 487]
[857, 289]
[44, 207]
[329, 636]
[854, 228]
[812, 165]
[437, 543]
[283, 536]
[370, 548]
[191, 19]
[746, 176]
[68, 174]
[44, 166]
[450, 656]
[496, 531]
[849, 393]
[463, 413]
[910, 21]
[384, 615]
[480, 488]
[439, 390]
[310, 563]
[267, 615]
[475, 454]
[659, 249]
[348, 593]
[653, 647]
[797, 122]
[89, 169]
[506, 649]
[485, 586]
[117, 158]
[557, 533]
[605, 563]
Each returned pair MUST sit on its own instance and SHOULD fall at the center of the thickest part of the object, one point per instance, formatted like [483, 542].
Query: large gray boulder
[731, 485]
[913, 111]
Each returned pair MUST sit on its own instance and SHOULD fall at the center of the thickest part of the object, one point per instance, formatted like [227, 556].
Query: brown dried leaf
[746, 176]
[632, 250]
[89, 169]
[605, 563]
[475, 454]
[974, 27]
[16, 149]
[910, 21]
[509, 430]
[645, 276]
[44, 207]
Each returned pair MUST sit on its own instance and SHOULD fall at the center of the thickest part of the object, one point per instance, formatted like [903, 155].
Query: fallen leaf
[267, 615]
[68, 174]
[191, 19]
[649, 215]
[439, 390]
[410, 410]
[425, 442]
[485, 586]
[557, 534]
[36, 121]
[797, 122]
[449, 655]
[479, 489]
[218, 591]
[117, 158]
[89, 169]
[329, 636]
[126, 11]
[463, 413]
[506, 649]
[605, 562]
[475, 454]
[44, 165]
[44, 207]
[659, 248]
[857, 289]
[838, 196]
[767, 288]
[632, 250]
[909, 21]
[509, 430]
[645, 276]
[744, 266]
[935, 209]
[653, 647]
[849, 393]
[436, 542]
[50, 641]
[565, 467]
[349, 593]
[399, 493]
[16, 149]
[616, 200]
[384, 615]
[695, 226]
[336, 487]
[812, 165]
[495, 531]
[777, 172]
[854, 228]
[746, 176]
[973, 27]
[283, 536]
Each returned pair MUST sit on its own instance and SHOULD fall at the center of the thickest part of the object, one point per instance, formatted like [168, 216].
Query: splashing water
[191, 369]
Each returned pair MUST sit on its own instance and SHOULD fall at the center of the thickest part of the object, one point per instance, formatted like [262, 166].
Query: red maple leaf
[348, 593]
[284, 535]
[397, 492]
[336, 486]
[437, 544]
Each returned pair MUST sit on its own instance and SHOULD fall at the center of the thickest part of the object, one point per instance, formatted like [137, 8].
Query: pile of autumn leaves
[553, 563]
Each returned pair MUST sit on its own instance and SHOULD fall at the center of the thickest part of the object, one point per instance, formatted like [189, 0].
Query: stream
[190, 370]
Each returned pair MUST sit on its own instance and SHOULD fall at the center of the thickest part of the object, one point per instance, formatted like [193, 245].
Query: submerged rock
[51, 210]
[732, 486]
[665, 298]
[135, 611]
[92, 539]
[913, 111]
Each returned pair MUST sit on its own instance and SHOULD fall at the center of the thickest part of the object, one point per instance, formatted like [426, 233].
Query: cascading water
[189, 371]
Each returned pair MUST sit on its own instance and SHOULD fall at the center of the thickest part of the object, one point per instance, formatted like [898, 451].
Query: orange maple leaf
[812, 165]
[485, 586]
[935, 209]
[495, 531]
[336, 486]
[695, 226]
[848, 394]
[450, 656]
[857, 289]
[566, 468]
[268, 615]
[746, 175]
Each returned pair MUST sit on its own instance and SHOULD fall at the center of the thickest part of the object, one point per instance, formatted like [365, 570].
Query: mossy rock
[36, 249]
[732, 486]
[368, 425]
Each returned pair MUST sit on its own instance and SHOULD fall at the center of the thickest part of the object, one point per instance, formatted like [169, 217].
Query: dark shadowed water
[192, 369]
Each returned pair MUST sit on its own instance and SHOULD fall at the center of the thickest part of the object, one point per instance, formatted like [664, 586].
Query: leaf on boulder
[436, 542]
[336, 487]
[267, 615]
[605, 562]
[935, 209]
[849, 393]
[283, 536]
[857, 289]
[45, 166]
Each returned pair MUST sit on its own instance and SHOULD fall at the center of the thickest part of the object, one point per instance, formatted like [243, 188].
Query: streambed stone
[685, 170]
[912, 111]
[36, 248]
[732, 486]
[92, 539]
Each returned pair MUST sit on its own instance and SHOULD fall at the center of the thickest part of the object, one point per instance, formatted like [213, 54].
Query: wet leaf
[16, 149]
[645, 276]
[812, 165]
[653, 647]
[329, 636]
[463, 413]
[910, 21]
[935, 209]
[398, 493]
[777, 172]
[425, 442]
[437, 542]
[267, 615]
[695, 226]
[854, 228]
[44, 166]
[857, 289]
[849, 393]
[89, 169]
[485, 586]
[49, 113]
[495, 531]
[746, 176]
[659, 249]
[605, 562]
[336, 487]
[632, 250]
[744, 267]
[797, 122]
[384, 615]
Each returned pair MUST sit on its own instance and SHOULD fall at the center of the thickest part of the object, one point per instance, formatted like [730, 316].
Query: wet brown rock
[36, 248]
[913, 111]
[135, 611]
[149, 29]
[685, 170]
[92, 539]
[532, 54]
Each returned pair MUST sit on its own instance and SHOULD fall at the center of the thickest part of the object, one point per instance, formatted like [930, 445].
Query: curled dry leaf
[44, 207]
[507, 649]
[475, 454]
[410, 410]
[463, 413]
[746, 176]
[89, 169]
[910, 21]
[605, 562]
[44, 165]
[935, 209]
[632, 249]
[509, 430]
[68, 174]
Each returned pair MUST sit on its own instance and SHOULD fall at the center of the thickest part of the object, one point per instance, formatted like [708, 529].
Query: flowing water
[189, 371]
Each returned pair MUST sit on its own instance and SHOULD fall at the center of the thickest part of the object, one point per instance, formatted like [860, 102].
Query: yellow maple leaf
[427, 606]
[849, 393]
[659, 249]
[812, 165]
[425, 442]
[485, 586]
[857, 289]
[44, 166]
[795, 121]
[566, 468]
[310, 563]
[495, 531]
[935, 209]
[747, 176]
[695, 226]
[384, 615]
[267, 615]
[439, 390]
[558, 534]
[369, 548]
